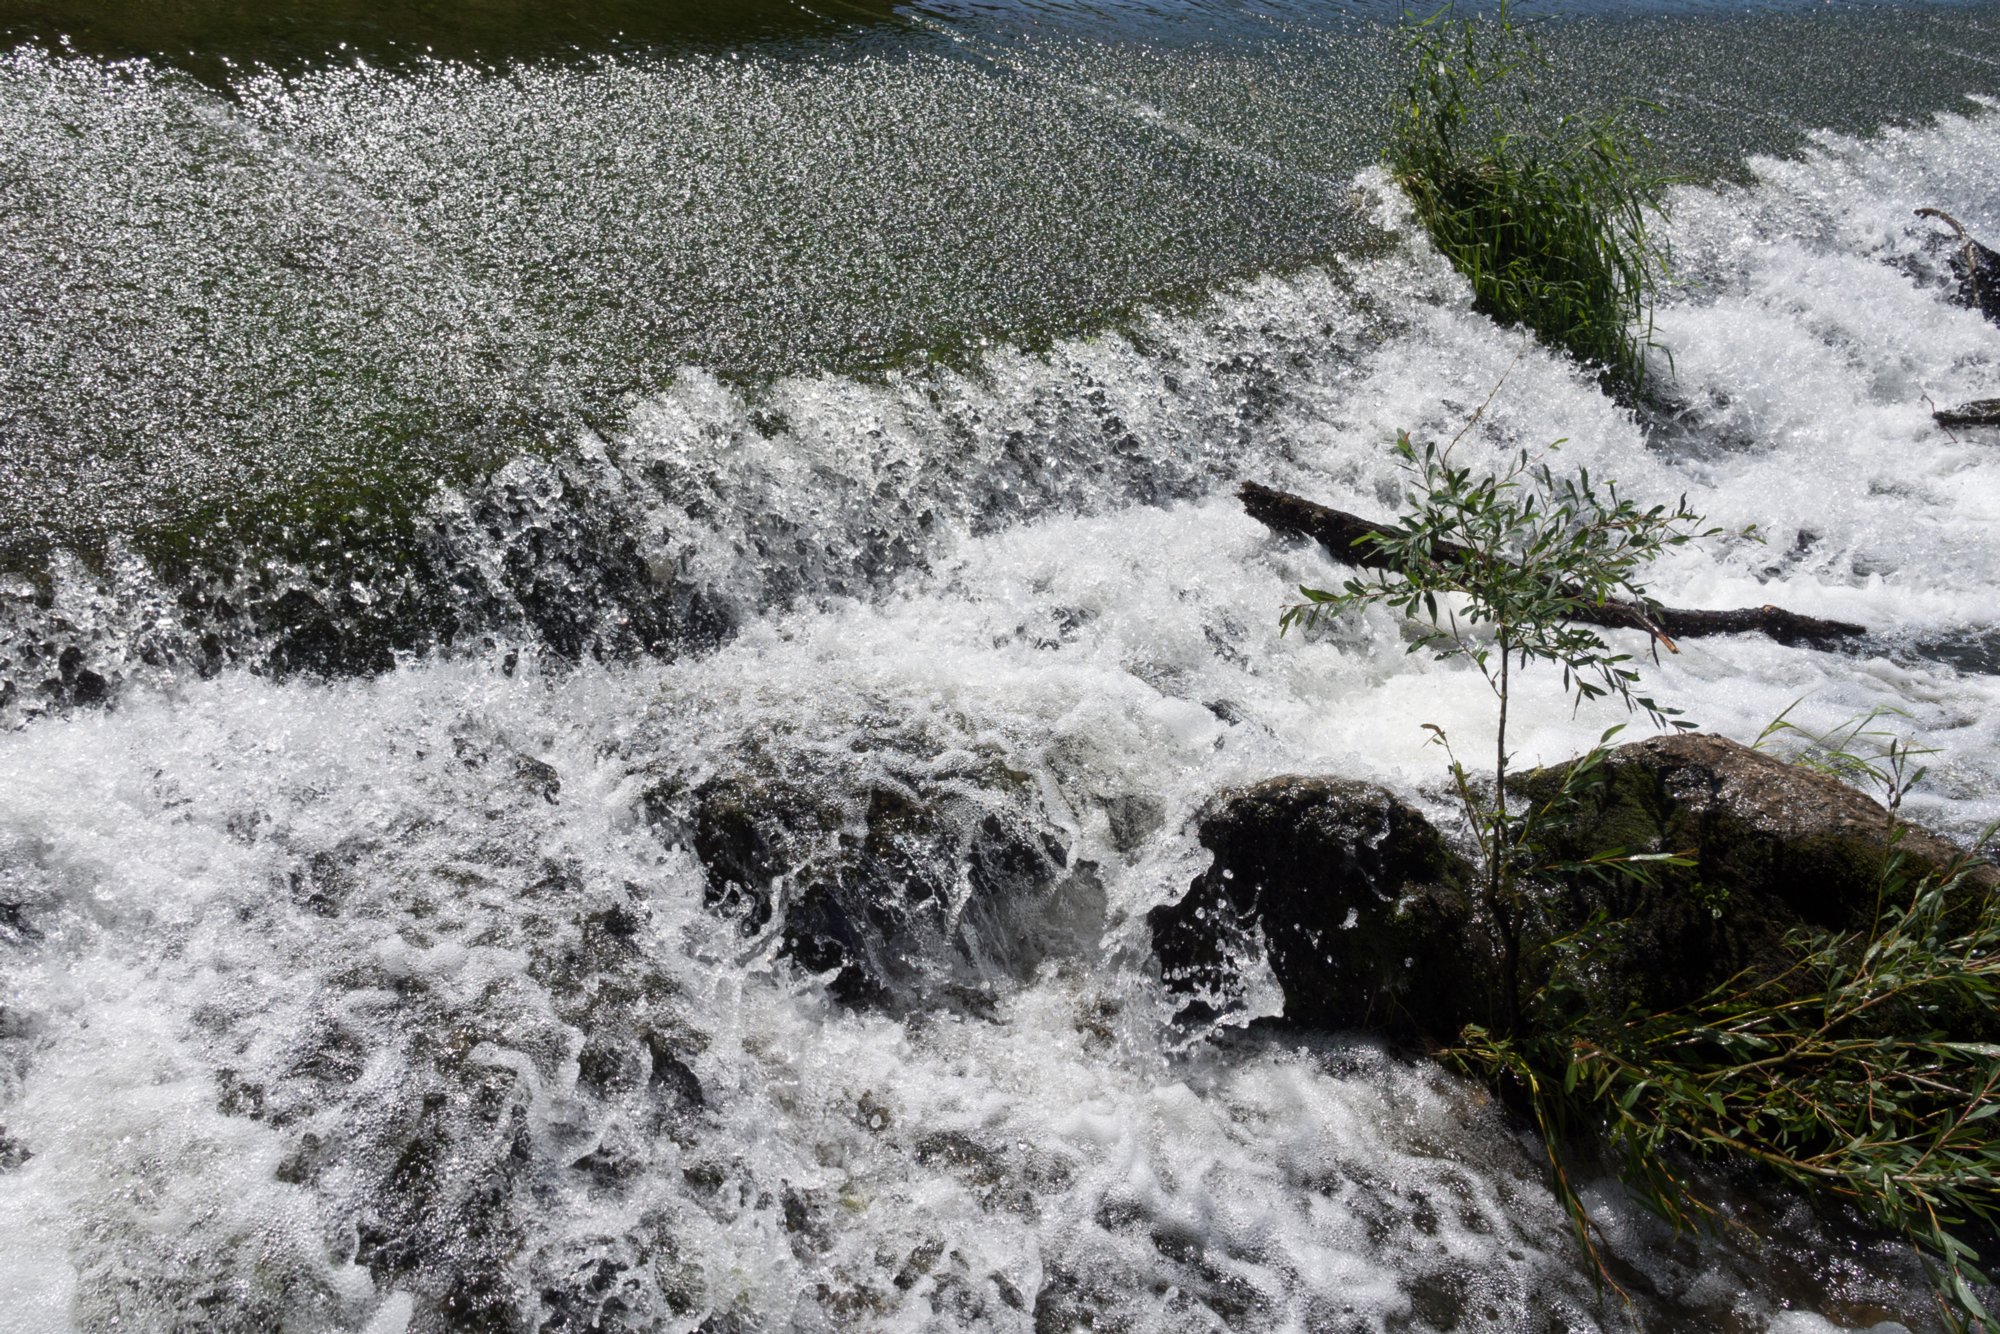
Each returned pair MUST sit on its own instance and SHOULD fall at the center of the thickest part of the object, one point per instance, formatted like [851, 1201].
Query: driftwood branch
[1342, 535]
[1976, 267]
[1978, 272]
[1979, 412]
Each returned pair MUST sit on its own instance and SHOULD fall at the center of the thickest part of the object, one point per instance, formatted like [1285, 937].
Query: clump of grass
[1825, 1072]
[1551, 216]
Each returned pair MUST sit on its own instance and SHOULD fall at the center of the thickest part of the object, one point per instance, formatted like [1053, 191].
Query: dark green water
[300, 263]
[218, 39]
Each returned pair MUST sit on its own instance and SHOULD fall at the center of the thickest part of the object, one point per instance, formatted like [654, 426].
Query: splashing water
[403, 999]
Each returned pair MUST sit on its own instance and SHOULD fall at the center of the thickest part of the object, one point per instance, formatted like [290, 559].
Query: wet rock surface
[550, 556]
[1357, 899]
[904, 874]
[1363, 913]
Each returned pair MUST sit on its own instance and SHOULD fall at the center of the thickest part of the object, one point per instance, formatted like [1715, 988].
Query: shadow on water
[1972, 650]
[215, 39]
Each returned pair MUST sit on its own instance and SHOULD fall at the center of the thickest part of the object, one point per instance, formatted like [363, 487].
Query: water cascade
[603, 652]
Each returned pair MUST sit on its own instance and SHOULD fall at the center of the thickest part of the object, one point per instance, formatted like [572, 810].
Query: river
[442, 446]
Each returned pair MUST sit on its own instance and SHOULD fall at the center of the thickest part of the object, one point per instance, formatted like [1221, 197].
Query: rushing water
[425, 479]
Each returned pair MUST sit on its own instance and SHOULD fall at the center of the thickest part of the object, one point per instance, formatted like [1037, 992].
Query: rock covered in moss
[1369, 921]
[1351, 894]
[1775, 846]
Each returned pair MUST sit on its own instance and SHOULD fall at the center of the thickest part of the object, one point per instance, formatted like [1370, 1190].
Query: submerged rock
[1356, 898]
[898, 874]
[542, 554]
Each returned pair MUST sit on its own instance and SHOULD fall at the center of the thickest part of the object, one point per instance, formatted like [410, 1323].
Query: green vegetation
[1551, 216]
[1513, 556]
[1829, 1073]
[1858, 1065]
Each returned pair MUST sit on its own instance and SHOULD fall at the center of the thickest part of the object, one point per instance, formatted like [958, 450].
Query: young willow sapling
[1840, 1067]
[1498, 565]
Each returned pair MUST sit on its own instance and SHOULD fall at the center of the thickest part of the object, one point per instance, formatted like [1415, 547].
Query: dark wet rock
[538, 777]
[1201, 1279]
[803, 1215]
[1350, 893]
[958, 1295]
[15, 928]
[1776, 847]
[897, 875]
[597, 1283]
[1066, 1302]
[47, 661]
[561, 563]
[541, 553]
[589, 1301]
[1361, 910]
[327, 1052]
[611, 930]
[614, 1164]
[600, 942]
[443, 1222]
[606, 1065]
[962, 1153]
[671, 1077]
[238, 1096]
[1134, 819]
[303, 1165]
[484, 750]
[75, 680]
[323, 882]
[920, 1262]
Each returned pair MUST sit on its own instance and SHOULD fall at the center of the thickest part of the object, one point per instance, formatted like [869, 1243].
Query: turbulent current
[482, 538]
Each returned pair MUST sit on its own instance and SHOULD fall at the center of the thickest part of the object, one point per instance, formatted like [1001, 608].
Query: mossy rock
[540, 553]
[1775, 848]
[1370, 921]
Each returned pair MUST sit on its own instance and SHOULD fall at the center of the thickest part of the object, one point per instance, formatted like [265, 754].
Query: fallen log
[1351, 538]
[1979, 412]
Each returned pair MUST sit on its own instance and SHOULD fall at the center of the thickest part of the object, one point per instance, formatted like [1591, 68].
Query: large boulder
[1368, 920]
[1353, 897]
[1775, 848]
[898, 874]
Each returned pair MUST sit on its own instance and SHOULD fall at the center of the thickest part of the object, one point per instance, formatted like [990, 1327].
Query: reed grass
[1848, 1072]
[1552, 216]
